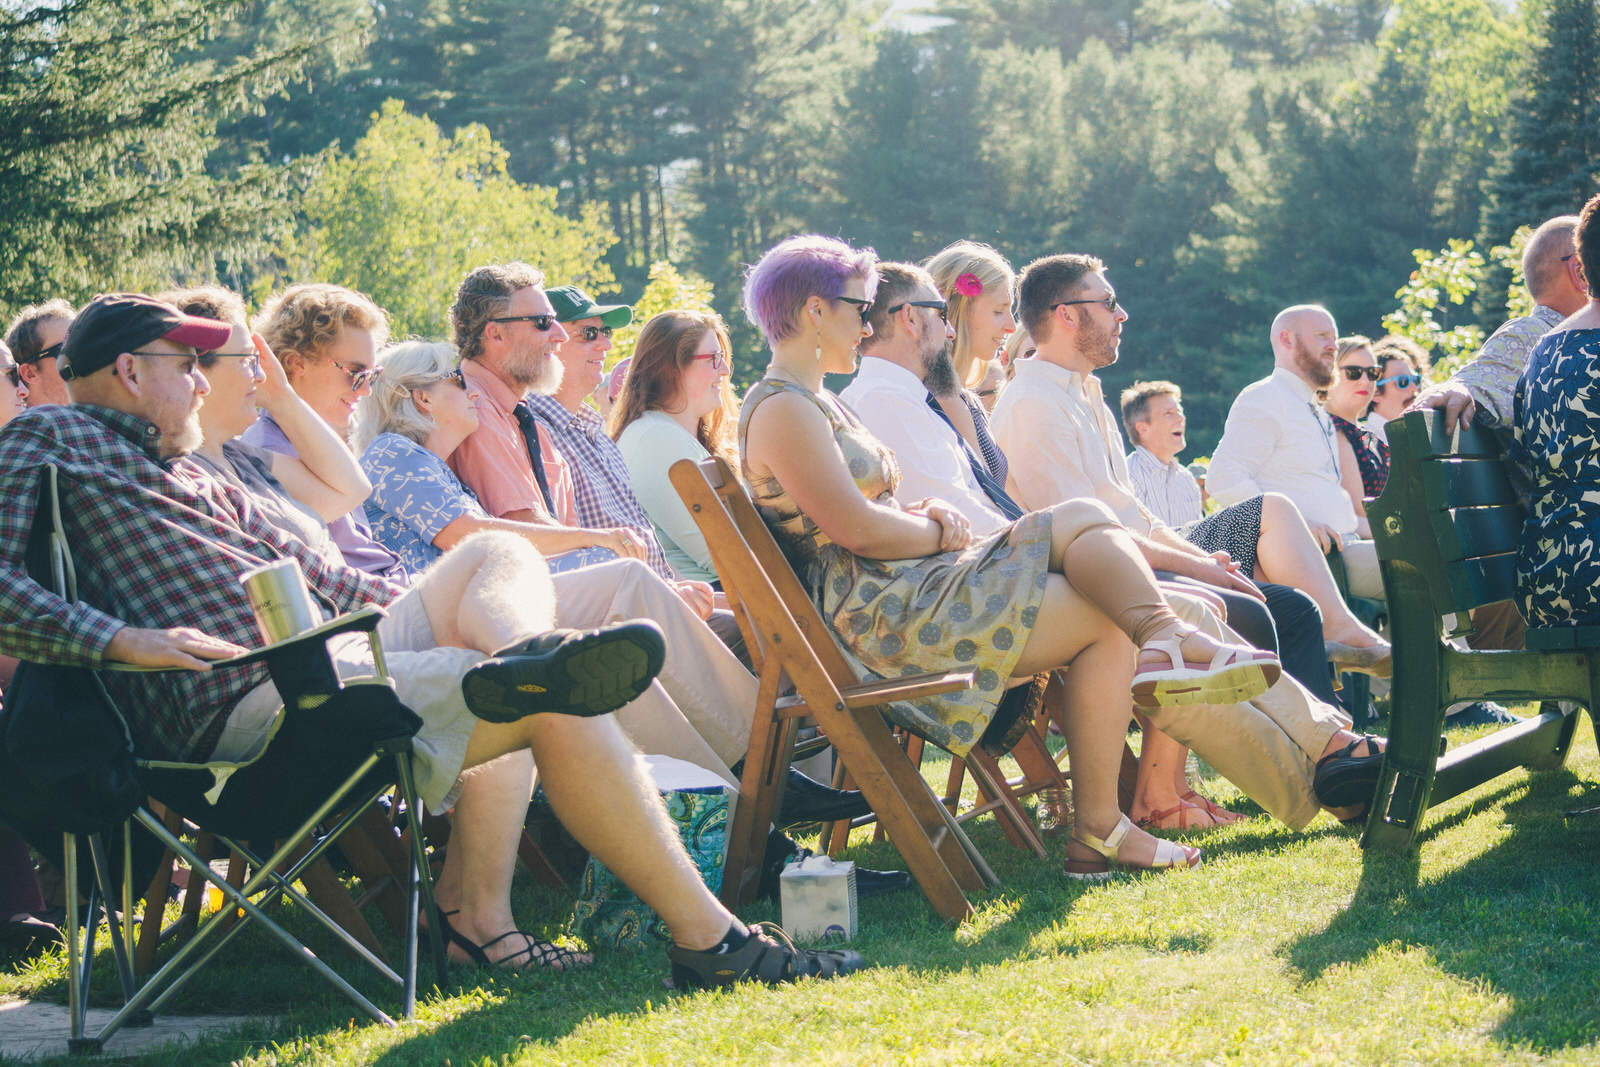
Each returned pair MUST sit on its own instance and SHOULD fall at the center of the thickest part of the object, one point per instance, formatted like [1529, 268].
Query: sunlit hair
[1136, 399]
[1045, 283]
[485, 294]
[209, 302]
[1586, 241]
[1354, 343]
[992, 272]
[1542, 255]
[305, 320]
[665, 350]
[390, 407]
[1019, 345]
[796, 269]
[22, 336]
[1398, 346]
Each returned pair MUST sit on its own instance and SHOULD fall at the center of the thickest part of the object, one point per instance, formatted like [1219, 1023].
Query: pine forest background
[1224, 158]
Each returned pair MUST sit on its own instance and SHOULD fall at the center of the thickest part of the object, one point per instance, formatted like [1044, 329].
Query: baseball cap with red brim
[115, 323]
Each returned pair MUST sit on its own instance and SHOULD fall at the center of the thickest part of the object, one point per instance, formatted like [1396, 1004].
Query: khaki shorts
[427, 678]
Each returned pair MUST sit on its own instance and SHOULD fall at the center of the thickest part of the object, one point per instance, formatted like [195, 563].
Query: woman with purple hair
[906, 589]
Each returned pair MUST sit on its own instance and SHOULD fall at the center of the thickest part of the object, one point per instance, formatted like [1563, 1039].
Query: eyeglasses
[47, 352]
[863, 307]
[1355, 374]
[940, 306]
[360, 377]
[590, 333]
[1401, 381]
[252, 362]
[14, 376]
[1110, 302]
[1572, 256]
[542, 323]
[719, 359]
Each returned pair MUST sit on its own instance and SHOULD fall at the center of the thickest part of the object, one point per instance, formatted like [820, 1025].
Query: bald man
[1278, 439]
[1555, 280]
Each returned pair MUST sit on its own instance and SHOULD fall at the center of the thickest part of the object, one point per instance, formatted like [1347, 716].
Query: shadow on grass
[1518, 918]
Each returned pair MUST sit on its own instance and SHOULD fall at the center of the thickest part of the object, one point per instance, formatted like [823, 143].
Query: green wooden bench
[1447, 527]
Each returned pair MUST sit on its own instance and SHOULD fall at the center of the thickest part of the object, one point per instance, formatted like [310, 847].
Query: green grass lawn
[1283, 947]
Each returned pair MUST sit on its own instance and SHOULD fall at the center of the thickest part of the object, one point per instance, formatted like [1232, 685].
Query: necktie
[530, 437]
[980, 470]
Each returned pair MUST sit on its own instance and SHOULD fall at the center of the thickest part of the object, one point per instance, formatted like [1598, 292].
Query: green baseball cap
[572, 304]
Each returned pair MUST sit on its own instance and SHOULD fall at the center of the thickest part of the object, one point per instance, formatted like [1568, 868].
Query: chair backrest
[782, 627]
[1450, 511]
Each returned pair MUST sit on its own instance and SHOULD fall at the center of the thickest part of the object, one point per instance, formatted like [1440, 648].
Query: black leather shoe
[806, 800]
[1481, 713]
[568, 672]
[870, 883]
[781, 851]
[1344, 779]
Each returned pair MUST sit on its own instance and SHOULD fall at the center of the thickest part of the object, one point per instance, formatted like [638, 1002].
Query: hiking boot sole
[584, 674]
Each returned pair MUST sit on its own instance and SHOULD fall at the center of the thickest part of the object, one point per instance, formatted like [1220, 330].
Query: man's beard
[1097, 345]
[541, 374]
[1311, 368]
[939, 372]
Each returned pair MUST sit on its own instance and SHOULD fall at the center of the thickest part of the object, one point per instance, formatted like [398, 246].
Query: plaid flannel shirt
[602, 489]
[155, 544]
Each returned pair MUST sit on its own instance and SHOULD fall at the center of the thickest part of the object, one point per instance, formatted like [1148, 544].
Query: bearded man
[1278, 439]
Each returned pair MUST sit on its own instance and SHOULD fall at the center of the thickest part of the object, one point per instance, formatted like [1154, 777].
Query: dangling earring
[819, 345]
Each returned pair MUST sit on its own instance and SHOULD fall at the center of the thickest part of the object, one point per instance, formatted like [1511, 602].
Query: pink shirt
[493, 460]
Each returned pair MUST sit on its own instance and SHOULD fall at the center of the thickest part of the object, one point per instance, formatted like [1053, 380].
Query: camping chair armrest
[364, 620]
[871, 694]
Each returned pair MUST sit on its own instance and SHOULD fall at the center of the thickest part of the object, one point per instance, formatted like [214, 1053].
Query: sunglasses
[863, 307]
[1401, 381]
[14, 376]
[942, 307]
[719, 359]
[591, 333]
[47, 352]
[1355, 374]
[252, 362]
[456, 376]
[1109, 302]
[542, 323]
[360, 377]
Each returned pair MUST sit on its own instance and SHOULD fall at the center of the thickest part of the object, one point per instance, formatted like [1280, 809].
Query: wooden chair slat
[1447, 526]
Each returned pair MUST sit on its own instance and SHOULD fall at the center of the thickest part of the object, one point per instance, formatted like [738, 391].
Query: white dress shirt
[1064, 443]
[1167, 489]
[1374, 424]
[892, 402]
[1278, 439]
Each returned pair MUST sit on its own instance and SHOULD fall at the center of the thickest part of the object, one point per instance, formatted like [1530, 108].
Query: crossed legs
[1287, 554]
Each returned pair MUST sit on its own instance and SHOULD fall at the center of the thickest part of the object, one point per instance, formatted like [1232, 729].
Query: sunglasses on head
[940, 306]
[1355, 374]
[542, 323]
[1401, 381]
[863, 307]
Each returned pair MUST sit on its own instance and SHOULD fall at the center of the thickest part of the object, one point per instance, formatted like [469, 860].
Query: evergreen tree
[1552, 163]
[108, 116]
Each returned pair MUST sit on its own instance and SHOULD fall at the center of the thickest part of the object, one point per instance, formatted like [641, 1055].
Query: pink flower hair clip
[969, 285]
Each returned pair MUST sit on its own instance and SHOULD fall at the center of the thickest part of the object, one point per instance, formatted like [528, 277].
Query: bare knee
[1277, 508]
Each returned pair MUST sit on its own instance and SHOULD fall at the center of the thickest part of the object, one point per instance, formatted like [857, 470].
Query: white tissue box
[818, 896]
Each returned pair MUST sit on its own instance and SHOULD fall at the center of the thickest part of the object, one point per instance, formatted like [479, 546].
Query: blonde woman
[979, 288]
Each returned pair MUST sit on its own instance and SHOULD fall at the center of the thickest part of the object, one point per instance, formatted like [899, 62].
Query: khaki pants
[1267, 747]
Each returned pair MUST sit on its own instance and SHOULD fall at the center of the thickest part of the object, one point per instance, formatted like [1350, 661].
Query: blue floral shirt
[415, 495]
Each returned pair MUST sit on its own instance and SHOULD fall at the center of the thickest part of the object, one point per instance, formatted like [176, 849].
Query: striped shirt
[602, 488]
[1167, 489]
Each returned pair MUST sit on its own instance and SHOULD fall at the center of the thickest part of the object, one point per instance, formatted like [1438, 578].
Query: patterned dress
[1557, 442]
[1372, 454]
[972, 608]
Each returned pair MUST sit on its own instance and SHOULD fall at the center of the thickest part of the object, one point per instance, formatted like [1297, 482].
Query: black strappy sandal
[539, 952]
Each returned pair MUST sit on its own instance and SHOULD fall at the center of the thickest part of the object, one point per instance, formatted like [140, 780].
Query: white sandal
[1234, 675]
[1169, 855]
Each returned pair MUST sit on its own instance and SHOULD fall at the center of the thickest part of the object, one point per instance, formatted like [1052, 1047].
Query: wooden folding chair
[787, 638]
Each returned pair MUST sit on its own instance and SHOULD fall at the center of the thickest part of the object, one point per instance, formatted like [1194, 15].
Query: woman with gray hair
[419, 412]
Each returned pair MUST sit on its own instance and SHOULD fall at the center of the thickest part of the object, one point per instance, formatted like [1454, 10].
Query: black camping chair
[334, 748]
